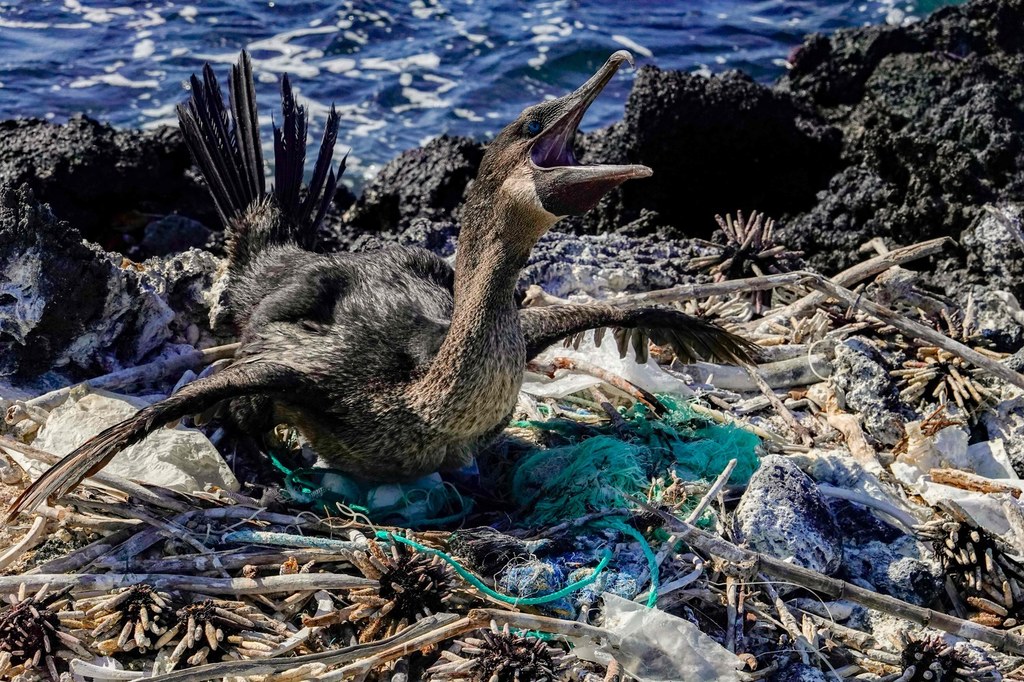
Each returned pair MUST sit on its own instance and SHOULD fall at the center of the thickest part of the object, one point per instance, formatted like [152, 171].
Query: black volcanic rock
[68, 306]
[103, 181]
[428, 182]
[932, 116]
[716, 145]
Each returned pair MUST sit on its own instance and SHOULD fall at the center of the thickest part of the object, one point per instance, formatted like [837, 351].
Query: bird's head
[530, 168]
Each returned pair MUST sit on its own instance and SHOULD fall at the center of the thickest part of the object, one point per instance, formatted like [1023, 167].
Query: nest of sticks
[251, 587]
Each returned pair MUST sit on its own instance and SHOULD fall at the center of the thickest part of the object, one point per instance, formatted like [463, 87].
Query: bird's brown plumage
[392, 364]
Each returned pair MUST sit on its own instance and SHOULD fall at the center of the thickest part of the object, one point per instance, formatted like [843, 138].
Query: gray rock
[863, 385]
[68, 306]
[189, 282]
[895, 568]
[994, 251]
[599, 265]
[173, 234]
[784, 515]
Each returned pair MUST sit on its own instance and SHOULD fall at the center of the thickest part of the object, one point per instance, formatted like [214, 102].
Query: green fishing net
[599, 470]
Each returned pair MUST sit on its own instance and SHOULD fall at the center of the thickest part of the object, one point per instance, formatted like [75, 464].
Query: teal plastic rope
[645, 547]
[478, 584]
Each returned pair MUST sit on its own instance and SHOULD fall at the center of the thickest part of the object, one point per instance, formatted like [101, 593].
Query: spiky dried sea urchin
[217, 625]
[498, 655]
[31, 635]
[411, 586]
[749, 250]
[133, 618]
[990, 581]
[938, 376]
[929, 658]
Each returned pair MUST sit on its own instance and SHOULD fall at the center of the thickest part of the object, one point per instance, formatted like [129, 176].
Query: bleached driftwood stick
[153, 371]
[855, 274]
[32, 538]
[105, 582]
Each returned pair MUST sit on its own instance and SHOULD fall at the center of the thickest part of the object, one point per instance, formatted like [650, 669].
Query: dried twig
[91, 582]
[637, 393]
[148, 373]
[799, 430]
[697, 511]
[973, 482]
[917, 330]
[855, 274]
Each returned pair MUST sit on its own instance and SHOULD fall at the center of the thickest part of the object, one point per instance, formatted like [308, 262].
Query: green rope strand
[645, 547]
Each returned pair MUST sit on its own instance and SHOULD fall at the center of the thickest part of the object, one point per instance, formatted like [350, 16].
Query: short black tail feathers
[303, 215]
[229, 155]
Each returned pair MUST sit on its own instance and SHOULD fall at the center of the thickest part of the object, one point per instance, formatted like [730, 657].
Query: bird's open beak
[564, 186]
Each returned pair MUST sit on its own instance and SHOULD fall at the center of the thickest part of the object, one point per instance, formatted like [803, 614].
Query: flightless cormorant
[391, 363]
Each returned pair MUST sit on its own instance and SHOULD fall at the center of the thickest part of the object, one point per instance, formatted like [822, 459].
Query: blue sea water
[400, 71]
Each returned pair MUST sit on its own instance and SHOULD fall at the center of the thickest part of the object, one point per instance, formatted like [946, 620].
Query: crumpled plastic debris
[650, 376]
[948, 448]
[180, 459]
[654, 646]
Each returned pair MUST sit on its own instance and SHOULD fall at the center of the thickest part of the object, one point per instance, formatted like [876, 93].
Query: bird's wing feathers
[690, 337]
[246, 377]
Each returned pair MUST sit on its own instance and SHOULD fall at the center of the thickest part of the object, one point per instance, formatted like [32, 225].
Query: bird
[391, 363]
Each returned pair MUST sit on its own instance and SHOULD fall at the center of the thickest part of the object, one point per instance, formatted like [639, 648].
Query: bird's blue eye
[533, 127]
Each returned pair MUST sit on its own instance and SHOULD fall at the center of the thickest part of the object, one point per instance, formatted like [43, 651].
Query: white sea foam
[114, 79]
[631, 44]
[143, 49]
[426, 60]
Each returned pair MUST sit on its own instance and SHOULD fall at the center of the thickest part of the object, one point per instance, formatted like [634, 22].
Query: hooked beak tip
[622, 56]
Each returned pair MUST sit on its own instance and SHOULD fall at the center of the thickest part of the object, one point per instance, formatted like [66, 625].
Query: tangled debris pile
[657, 521]
[850, 508]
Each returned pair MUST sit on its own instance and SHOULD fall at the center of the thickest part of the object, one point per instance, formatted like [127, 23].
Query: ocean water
[400, 71]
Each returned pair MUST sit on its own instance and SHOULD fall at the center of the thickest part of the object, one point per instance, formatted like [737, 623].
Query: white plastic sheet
[650, 376]
[180, 459]
[655, 646]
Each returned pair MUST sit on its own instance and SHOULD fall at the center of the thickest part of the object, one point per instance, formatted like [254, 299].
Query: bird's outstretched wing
[690, 337]
[247, 377]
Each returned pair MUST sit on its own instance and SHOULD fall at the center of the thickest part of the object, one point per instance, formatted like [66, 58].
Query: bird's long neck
[475, 377]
